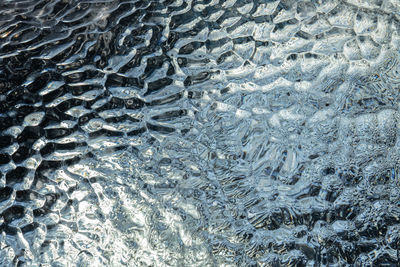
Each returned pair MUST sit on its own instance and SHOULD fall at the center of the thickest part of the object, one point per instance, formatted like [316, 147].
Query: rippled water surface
[199, 133]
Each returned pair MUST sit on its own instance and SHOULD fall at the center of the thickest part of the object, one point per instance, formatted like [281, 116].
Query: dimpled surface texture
[199, 133]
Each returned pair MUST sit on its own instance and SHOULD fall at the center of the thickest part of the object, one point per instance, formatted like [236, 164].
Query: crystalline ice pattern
[199, 133]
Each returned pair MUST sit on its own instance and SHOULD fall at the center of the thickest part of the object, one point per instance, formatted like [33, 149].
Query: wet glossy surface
[199, 133]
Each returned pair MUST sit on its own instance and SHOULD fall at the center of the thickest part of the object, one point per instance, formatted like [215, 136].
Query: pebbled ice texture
[199, 133]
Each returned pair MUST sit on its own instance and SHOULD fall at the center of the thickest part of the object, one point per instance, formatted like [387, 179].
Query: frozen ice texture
[199, 133]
